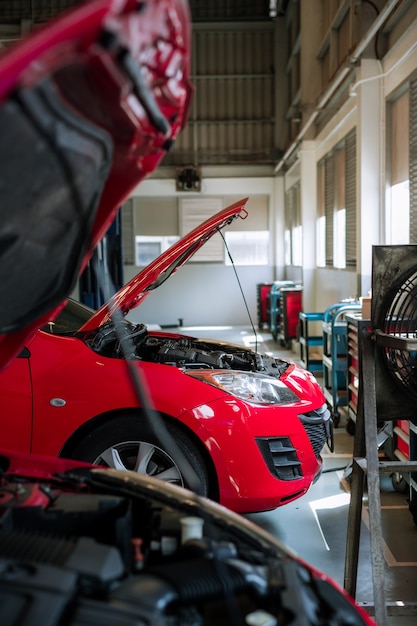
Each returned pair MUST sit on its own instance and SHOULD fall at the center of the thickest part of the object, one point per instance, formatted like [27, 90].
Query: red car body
[68, 389]
[81, 544]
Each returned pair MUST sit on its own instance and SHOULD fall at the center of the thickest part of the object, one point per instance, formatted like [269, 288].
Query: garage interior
[309, 109]
[316, 525]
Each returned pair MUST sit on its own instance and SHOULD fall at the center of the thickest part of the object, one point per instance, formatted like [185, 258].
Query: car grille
[319, 428]
[281, 457]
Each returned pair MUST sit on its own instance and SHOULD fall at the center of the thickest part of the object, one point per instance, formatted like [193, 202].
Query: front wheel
[127, 443]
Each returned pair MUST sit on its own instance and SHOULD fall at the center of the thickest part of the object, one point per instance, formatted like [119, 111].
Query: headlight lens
[248, 386]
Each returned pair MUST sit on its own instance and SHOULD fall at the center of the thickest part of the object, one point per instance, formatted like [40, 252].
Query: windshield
[71, 318]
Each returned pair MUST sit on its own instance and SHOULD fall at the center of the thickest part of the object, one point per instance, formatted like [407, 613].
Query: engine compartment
[135, 342]
[79, 549]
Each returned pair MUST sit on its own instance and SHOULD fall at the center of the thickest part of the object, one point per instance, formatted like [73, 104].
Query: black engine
[135, 342]
[91, 548]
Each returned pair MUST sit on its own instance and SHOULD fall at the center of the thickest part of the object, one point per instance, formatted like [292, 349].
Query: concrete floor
[315, 525]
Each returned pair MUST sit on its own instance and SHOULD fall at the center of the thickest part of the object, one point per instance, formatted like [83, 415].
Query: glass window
[321, 241]
[150, 247]
[336, 206]
[339, 215]
[397, 220]
[293, 227]
[248, 247]
[297, 245]
[339, 243]
[321, 217]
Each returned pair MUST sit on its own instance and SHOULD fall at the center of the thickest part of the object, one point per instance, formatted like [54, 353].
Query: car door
[16, 404]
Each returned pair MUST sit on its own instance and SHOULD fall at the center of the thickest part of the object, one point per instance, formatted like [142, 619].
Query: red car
[250, 426]
[81, 544]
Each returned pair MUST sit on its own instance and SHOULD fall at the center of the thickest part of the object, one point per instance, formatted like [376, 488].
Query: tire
[399, 483]
[127, 443]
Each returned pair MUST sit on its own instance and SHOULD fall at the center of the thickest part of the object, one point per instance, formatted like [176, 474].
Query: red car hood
[89, 105]
[166, 264]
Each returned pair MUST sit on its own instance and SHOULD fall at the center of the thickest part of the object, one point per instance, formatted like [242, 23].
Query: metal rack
[387, 390]
[335, 351]
[311, 344]
[366, 462]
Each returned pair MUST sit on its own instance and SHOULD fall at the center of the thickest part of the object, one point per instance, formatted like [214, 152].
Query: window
[339, 215]
[339, 247]
[194, 211]
[336, 206]
[297, 245]
[148, 248]
[321, 217]
[293, 228]
[397, 216]
[248, 247]
[329, 206]
[350, 199]
[412, 157]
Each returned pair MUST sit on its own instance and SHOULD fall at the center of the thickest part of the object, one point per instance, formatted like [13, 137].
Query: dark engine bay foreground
[93, 546]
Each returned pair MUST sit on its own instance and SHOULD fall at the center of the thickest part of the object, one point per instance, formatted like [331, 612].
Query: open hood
[89, 105]
[157, 272]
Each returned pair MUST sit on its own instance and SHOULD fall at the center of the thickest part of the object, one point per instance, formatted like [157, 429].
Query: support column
[370, 168]
[308, 172]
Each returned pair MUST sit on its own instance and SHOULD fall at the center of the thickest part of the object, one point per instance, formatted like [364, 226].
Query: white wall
[208, 293]
[203, 294]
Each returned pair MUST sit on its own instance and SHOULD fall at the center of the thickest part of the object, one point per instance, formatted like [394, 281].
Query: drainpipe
[331, 90]
[384, 14]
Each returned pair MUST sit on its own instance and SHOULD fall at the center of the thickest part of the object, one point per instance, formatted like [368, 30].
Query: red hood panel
[157, 272]
[89, 105]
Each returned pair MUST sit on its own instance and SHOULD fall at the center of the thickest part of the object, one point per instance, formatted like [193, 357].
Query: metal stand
[365, 461]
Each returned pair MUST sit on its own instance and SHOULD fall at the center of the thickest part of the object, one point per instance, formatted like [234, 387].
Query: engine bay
[135, 342]
[86, 548]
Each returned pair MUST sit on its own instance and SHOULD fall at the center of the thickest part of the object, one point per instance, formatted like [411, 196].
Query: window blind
[350, 182]
[329, 189]
[413, 160]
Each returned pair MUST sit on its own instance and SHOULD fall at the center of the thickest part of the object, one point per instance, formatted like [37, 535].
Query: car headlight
[248, 386]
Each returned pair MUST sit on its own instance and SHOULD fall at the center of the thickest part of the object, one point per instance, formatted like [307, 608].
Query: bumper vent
[317, 436]
[280, 457]
[319, 428]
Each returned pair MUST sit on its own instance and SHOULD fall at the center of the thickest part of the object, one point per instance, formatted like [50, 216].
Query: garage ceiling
[234, 10]
[233, 116]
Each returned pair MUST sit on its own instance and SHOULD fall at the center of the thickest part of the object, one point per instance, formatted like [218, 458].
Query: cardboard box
[366, 303]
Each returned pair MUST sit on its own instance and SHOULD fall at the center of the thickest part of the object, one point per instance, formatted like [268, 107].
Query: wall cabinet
[263, 299]
[285, 306]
